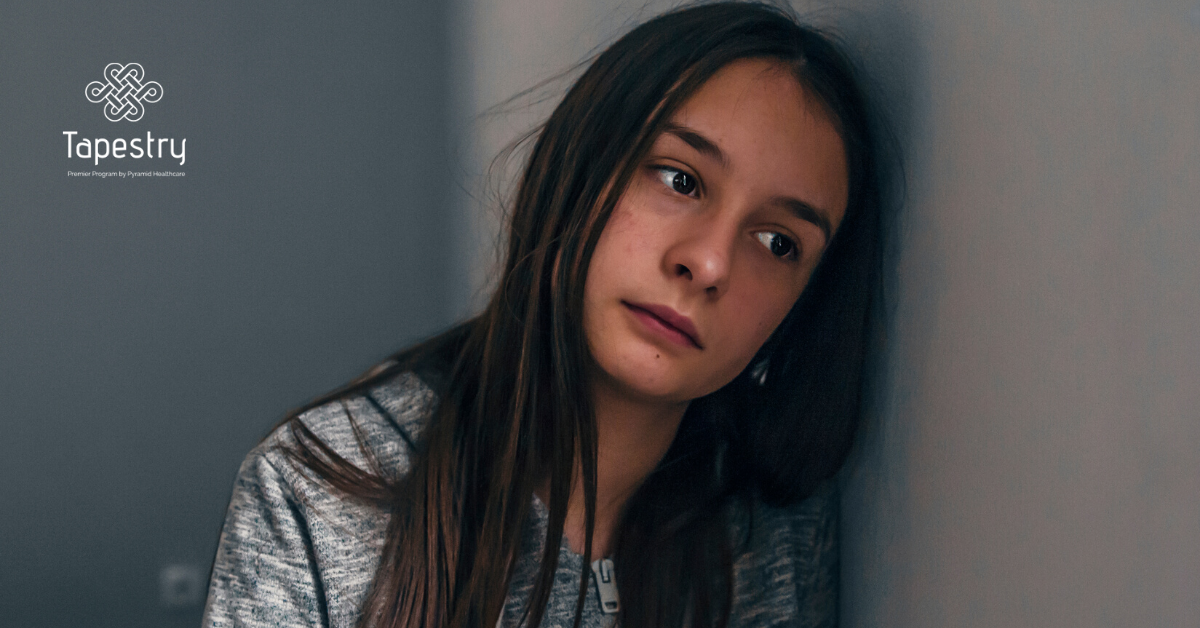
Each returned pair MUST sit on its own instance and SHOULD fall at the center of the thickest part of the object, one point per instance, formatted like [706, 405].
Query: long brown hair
[512, 407]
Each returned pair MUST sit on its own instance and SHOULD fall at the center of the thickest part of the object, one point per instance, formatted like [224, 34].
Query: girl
[639, 427]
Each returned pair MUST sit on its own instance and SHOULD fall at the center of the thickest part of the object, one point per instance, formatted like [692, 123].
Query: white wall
[1033, 452]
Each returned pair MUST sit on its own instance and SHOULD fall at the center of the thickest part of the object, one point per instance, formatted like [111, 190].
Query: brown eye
[780, 245]
[677, 180]
[683, 183]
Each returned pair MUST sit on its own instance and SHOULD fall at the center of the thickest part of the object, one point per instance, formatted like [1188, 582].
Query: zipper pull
[606, 585]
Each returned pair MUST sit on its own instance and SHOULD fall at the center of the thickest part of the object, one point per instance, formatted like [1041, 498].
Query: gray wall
[1032, 455]
[152, 330]
[1034, 458]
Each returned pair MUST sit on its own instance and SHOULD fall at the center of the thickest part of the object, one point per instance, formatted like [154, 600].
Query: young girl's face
[715, 237]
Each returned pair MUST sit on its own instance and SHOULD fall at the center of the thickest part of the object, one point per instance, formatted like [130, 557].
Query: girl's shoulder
[383, 422]
[805, 518]
[788, 568]
[758, 523]
[294, 551]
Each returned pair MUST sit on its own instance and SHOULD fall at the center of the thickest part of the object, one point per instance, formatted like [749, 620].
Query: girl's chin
[651, 378]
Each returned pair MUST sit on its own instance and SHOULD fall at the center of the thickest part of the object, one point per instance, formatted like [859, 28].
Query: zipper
[606, 585]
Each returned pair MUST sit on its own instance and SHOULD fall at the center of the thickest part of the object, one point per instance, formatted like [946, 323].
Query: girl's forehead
[754, 121]
[755, 86]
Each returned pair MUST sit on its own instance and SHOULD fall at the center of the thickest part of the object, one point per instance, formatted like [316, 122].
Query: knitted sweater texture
[294, 553]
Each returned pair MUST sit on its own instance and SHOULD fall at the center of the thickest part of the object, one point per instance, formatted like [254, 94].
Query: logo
[123, 91]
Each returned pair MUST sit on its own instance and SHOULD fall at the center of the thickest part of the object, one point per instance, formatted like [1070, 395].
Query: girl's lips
[672, 324]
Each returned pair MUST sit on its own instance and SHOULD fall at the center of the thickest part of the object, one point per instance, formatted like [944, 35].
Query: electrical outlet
[181, 586]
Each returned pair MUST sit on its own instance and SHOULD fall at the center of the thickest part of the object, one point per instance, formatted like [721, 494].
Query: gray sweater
[295, 553]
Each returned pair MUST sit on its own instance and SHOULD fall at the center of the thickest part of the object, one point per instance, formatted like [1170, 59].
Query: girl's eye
[677, 180]
[780, 245]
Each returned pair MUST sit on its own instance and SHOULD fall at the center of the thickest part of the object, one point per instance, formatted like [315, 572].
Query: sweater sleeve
[295, 552]
[265, 572]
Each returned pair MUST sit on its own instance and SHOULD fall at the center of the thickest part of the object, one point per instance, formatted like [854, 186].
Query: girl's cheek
[635, 230]
[764, 305]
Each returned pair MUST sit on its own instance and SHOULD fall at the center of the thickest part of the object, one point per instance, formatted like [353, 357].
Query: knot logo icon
[123, 91]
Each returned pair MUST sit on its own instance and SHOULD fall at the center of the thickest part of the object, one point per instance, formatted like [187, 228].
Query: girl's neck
[633, 435]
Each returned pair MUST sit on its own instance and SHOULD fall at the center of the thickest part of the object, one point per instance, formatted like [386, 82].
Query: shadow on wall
[1029, 455]
[887, 41]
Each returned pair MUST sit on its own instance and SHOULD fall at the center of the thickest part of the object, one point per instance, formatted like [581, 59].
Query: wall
[152, 330]
[1033, 456]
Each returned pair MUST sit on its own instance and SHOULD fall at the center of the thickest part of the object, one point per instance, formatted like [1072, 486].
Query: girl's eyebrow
[697, 141]
[806, 212]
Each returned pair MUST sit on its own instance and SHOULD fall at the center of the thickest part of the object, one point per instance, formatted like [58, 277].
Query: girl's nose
[702, 256]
